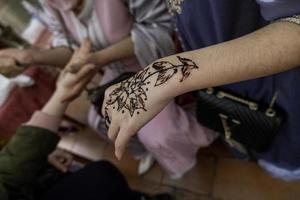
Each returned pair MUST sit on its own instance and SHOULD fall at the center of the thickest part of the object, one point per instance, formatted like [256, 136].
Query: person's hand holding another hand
[81, 57]
[18, 57]
[71, 84]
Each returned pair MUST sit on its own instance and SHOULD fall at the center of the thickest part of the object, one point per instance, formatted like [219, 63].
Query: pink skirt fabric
[174, 138]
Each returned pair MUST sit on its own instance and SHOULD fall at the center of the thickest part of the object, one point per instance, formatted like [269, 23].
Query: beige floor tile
[199, 179]
[246, 181]
[128, 165]
[155, 174]
[185, 195]
[149, 187]
[217, 149]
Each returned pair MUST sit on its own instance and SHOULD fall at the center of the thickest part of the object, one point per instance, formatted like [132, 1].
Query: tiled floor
[217, 174]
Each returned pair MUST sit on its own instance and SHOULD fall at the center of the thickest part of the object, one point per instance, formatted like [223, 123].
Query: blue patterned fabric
[207, 22]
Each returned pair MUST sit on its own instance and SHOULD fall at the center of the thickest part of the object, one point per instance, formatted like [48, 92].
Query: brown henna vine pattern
[131, 94]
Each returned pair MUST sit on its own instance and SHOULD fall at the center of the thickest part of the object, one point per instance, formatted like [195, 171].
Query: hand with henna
[129, 105]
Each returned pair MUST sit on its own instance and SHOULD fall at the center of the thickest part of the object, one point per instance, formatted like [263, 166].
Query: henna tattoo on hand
[131, 94]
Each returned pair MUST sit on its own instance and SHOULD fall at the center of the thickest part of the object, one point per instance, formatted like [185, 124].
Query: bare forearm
[270, 50]
[54, 106]
[131, 104]
[118, 51]
[57, 57]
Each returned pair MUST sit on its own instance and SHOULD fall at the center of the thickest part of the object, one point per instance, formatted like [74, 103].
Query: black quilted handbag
[245, 125]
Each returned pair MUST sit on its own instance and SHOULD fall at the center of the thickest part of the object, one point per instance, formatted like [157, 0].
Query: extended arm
[118, 51]
[270, 50]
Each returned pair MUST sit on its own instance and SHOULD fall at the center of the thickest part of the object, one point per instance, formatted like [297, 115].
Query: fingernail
[118, 158]
[118, 155]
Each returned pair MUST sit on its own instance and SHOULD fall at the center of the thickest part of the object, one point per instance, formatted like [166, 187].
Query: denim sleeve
[276, 9]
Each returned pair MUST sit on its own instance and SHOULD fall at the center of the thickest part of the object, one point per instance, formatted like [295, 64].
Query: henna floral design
[131, 94]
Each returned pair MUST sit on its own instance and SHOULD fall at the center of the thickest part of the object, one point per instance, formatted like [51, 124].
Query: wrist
[55, 107]
[173, 75]
[100, 58]
[33, 56]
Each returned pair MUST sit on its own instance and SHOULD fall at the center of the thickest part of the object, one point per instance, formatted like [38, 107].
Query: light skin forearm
[57, 57]
[55, 107]
[118, 51]
[133, 103]
[272, 49]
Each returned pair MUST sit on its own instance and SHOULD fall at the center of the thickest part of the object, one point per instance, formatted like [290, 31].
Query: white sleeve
[54, 24]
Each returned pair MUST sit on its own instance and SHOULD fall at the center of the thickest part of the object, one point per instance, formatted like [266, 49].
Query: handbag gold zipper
[233, 143]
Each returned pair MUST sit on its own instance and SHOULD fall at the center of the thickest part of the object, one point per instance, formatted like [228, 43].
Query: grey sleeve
[152, 30]
[276, 9]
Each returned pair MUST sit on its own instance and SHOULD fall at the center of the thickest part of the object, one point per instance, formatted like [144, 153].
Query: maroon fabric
[24, 101]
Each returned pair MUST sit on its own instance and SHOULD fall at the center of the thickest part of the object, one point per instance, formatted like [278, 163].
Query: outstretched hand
[129, 105]
[70, 84]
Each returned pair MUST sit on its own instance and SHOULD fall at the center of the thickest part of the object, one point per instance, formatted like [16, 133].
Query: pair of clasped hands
[123, 125]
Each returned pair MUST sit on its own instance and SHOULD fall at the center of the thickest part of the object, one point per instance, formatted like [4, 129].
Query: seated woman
[25, 156]
[126, 36]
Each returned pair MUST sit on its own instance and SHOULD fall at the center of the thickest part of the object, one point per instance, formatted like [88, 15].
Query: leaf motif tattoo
[131, 94]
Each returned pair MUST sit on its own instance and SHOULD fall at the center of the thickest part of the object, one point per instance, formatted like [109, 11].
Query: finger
[75, 53]
[67, 157]
[75, 67]
[69, 67]
[84, 71]
[79, 57]
[77, 89]
[55, 161]
[122, 141]
[113, 130]
[81, 75]
[85, 47]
